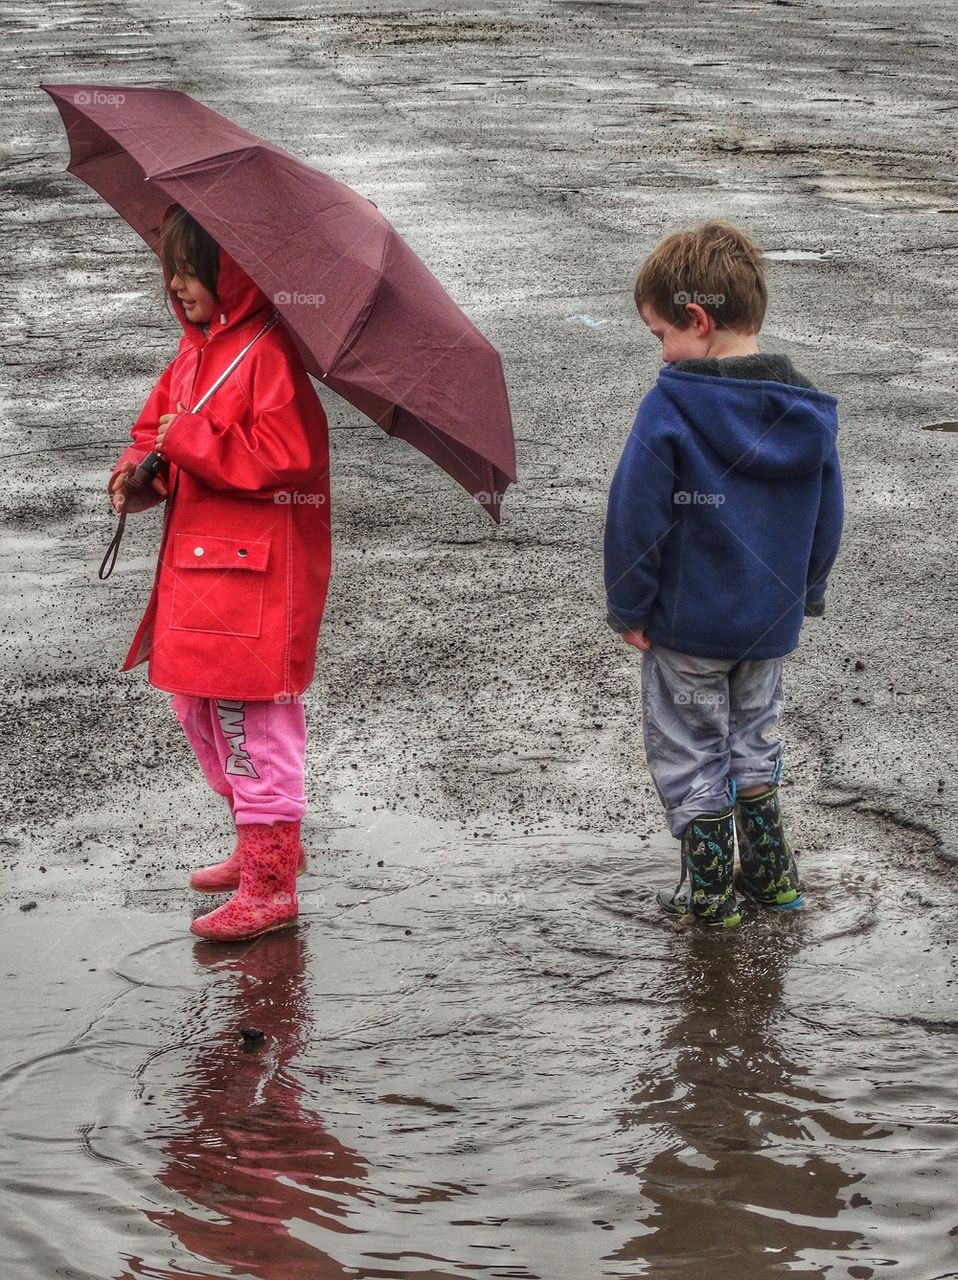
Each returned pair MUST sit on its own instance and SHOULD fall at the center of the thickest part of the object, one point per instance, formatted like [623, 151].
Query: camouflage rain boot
[708, 853]
[768, 874]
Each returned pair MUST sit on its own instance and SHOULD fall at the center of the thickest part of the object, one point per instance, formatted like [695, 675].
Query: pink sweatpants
[254, 753]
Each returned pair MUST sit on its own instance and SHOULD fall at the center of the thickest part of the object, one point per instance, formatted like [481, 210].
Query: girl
[243, 567]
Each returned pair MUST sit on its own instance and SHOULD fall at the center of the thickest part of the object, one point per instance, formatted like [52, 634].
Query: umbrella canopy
[369, 319]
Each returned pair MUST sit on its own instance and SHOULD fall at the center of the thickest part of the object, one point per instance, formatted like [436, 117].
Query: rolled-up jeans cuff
[679, 817]
[760, 778]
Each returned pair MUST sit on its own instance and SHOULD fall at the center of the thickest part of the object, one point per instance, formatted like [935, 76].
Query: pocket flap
[203, 551]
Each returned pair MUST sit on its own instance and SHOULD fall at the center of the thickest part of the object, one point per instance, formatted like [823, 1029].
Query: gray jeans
[708, 722]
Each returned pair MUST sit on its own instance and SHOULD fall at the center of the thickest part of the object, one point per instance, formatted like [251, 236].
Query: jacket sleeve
[270, 447]
[143, 435]
[828, 534]
[639, 518]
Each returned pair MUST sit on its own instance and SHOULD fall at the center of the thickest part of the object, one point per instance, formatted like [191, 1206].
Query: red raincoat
[244, 558]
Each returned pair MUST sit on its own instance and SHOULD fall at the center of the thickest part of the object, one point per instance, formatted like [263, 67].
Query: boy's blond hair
[716, 265]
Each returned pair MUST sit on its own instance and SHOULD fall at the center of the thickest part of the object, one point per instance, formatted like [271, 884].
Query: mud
[489, 1055]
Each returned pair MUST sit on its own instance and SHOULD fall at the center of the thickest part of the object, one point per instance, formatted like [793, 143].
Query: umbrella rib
[101, 155]
[184, 170]
[439, 436]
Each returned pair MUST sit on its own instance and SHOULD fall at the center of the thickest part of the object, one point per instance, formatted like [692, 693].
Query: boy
[724, 520]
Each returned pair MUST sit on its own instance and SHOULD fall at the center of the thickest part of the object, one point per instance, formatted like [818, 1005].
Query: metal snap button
[197, 551]
[242, 552]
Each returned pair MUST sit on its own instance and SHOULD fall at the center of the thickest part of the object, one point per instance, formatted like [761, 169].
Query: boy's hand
[118, 494]
[638, 639]
[165, 420]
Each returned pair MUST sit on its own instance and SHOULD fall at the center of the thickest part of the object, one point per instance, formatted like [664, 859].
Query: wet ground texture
[484, 1053]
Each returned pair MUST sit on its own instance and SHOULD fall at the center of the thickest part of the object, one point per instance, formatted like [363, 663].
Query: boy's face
[690, 343]
[198, 303]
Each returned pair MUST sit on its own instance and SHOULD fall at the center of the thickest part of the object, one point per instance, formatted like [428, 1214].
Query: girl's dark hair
[186, 247]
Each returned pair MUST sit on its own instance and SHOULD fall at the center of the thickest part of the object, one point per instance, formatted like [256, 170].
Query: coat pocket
[218, 584]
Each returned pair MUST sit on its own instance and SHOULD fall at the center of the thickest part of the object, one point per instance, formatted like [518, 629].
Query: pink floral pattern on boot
[225, 875]
[266, 897]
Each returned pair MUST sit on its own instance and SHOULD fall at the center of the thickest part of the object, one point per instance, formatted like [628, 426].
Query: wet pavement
[483, 1057]
[483, 1052]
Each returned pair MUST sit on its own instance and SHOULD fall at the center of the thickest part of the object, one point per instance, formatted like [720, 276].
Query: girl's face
[198, 303]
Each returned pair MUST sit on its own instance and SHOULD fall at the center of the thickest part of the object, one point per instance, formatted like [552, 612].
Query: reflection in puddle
[490, 1057]
[738, 1181]
[247, 1149]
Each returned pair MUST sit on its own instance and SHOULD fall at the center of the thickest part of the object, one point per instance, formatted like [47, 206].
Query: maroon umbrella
[368, 317]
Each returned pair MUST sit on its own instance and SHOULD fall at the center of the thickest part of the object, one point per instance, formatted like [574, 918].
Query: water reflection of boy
[733, 1179]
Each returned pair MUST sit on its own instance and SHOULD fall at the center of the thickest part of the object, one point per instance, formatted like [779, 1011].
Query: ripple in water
[529, 1075]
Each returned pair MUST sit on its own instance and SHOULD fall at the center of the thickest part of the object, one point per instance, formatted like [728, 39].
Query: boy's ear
[699, 319]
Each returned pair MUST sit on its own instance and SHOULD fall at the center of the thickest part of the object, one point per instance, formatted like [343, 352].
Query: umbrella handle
[143, 476]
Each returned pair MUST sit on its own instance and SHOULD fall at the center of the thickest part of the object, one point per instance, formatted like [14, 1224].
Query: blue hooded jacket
[725, 514]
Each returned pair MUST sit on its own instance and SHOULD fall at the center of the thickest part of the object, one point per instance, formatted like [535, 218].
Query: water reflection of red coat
[245, 556]
[256, 1169]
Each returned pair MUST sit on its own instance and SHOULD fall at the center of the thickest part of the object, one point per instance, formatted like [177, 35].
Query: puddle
[488, 1056]
[802, 255]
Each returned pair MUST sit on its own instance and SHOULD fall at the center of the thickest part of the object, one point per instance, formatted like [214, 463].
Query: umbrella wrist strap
[113, 550]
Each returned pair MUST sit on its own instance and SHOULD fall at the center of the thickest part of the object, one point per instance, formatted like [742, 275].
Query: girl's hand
[638, 639]
[118, 494]
[118, 485]
[165, 420]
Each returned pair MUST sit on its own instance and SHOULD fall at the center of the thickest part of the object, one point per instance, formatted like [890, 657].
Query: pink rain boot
[225, 876]
[266, 898]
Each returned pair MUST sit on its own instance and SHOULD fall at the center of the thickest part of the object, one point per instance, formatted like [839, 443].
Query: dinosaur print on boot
[708, 853]
[768, 873]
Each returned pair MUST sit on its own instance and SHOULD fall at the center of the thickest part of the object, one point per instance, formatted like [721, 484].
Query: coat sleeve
[267, 443]
[828, 534]
[143, 435]
[640, 516]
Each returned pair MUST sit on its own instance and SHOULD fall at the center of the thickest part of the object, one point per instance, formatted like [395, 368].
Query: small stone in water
[252, 1035]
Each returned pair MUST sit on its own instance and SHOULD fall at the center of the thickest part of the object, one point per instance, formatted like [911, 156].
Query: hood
[766, 429]
[238, 298]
